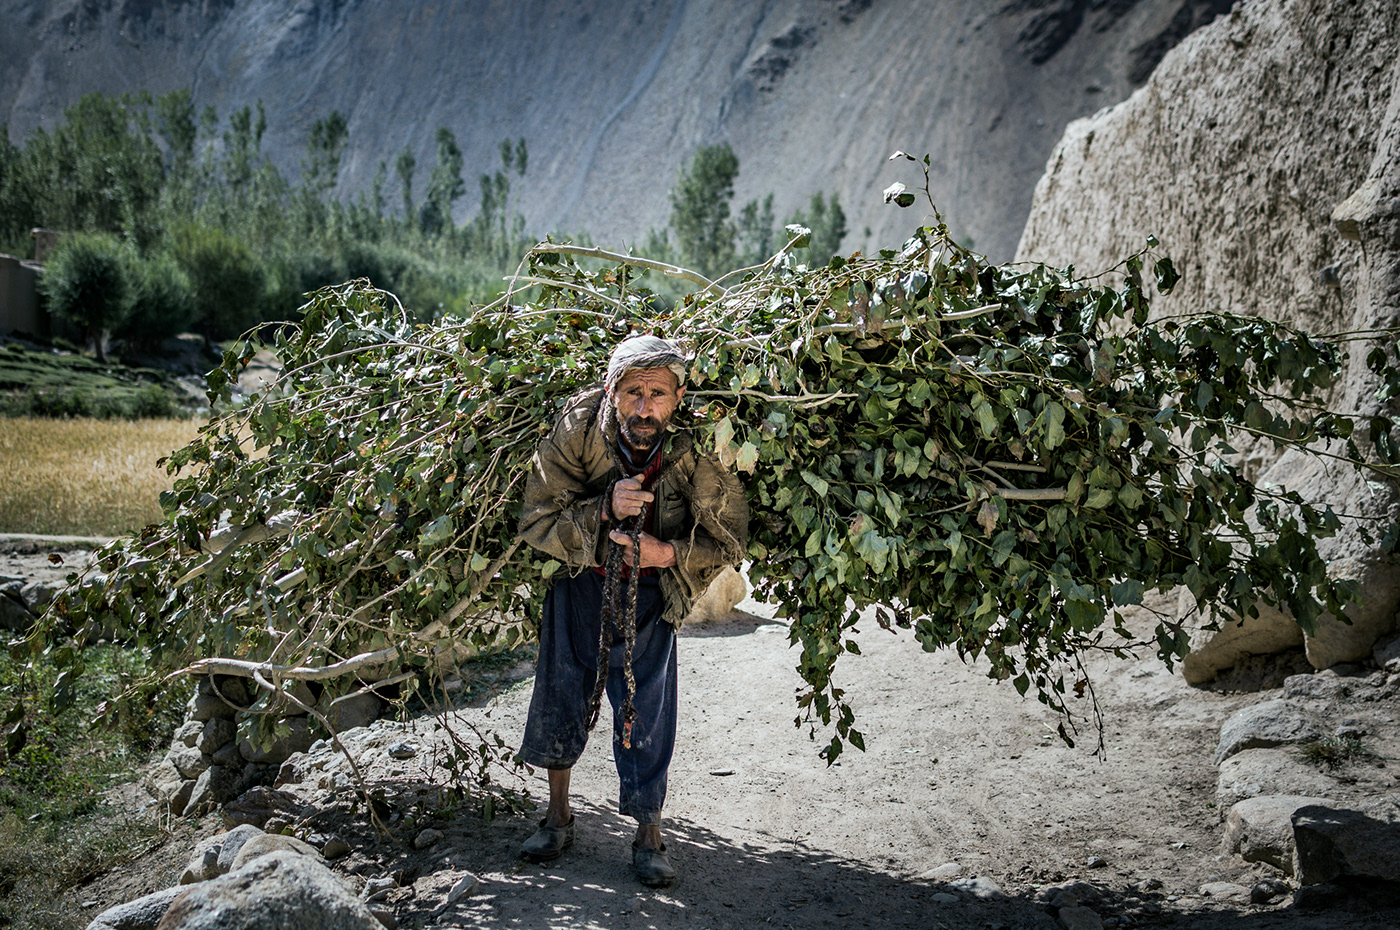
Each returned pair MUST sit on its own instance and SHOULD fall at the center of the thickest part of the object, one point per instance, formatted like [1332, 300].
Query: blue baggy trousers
[565, 673]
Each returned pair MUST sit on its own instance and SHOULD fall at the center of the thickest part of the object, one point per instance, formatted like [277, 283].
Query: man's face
[645, 399]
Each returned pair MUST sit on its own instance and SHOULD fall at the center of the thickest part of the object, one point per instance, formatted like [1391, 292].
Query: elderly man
[643, 521]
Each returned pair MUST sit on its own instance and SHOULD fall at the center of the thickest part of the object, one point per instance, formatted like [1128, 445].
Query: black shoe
[652, 867]
[548, 843]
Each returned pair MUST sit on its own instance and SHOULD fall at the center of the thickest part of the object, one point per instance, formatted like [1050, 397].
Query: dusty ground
[958, 770]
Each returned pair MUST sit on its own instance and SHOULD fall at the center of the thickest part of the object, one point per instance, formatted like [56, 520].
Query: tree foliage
[998, 459]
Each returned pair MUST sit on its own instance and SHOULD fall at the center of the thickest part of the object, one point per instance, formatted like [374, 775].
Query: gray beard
[641, 443]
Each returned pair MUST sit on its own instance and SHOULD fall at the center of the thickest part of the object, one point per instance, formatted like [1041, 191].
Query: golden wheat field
[84, 477]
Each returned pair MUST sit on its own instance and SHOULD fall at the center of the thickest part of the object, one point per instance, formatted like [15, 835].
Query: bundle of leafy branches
[998, 458]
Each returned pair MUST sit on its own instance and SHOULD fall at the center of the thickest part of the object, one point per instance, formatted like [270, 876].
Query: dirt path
[958, 770]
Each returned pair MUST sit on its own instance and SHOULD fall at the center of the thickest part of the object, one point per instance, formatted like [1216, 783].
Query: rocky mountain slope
[613, 97]
[1264, 152]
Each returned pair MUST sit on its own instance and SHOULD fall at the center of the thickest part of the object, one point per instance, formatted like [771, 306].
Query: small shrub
[1335, 751]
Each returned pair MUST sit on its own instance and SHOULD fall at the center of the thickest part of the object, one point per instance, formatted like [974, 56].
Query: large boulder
[1272, 723]
[281, 891]
[142, 914]
[1360, 842]
[1288, 207]
[214, 855]
[1261, 829]
[1258, 772]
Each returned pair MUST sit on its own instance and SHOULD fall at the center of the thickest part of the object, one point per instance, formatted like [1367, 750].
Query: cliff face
[612, 97]
[1264, 152]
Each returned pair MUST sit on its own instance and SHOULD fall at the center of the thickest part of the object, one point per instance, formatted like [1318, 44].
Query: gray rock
[347, 713]
[942, 897]
[295, 738]
[403, 751]
[946, 870]
[1267, 890]
[1316, 897]
[335, 848]
[718, 600]
[1096, 862]
[427, 838]
[279, 891]
[167, 786]
[1272, 723]
[188, 733]
[234, 689]
[142, 914]
[1362, 842]
[1079, 918]
[14, 616]
[217, 733]
[1261, 829]
[233, 843]
[265, 844]
[981, 886]
[214, 786]
[190, 763]
[228, 756]
[1256, 772]
[1213, 652]
[213, 856]
[385, 917]
[259, 805]
[1387, 654]
[1223, 890]
[462, 887]
[37, 595]
[205, 705]
[1327, 687]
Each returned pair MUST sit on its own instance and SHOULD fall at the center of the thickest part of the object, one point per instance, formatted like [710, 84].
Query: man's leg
[559, 813]
[642, 767]
[556, 731]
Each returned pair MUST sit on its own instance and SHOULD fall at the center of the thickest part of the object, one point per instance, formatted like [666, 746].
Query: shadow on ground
[734, 882]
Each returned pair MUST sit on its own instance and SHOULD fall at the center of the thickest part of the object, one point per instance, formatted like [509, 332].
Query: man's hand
[628, 498]
[655, 553]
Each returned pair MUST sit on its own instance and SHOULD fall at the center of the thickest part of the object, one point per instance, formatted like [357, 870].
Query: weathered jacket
[700, 507]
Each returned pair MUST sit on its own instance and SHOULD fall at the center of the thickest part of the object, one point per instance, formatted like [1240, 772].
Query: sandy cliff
[1237, 154]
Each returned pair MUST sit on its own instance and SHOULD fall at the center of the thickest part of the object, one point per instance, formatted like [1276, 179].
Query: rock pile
[1304, 785]
[209, 763]
[248, 879]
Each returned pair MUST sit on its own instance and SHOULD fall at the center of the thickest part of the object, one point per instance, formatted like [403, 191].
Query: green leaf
[1054, 425]
[747, 458]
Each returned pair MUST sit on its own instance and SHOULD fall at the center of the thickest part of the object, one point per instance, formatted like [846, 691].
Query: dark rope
[625, 620]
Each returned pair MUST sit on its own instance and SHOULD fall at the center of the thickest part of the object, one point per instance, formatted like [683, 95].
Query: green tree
[228, 281]
[161, 301]
[404, 165]
[87, 283]
[175, 121]
[700, 209]
[497, 230]
[324, 149]
[100, 170]
[445, 185]
[755, 231]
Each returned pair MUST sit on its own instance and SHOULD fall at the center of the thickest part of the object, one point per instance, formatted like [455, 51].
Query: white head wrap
[645, 352]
